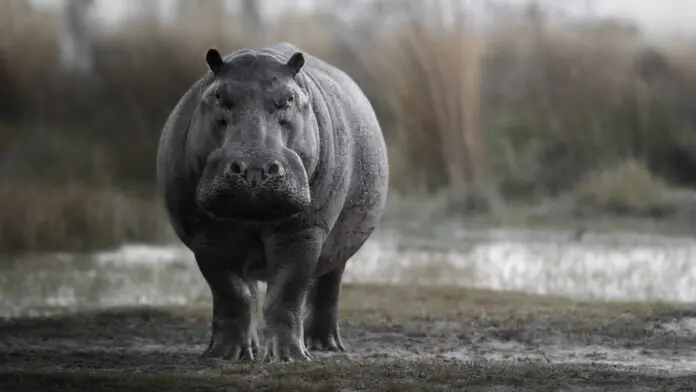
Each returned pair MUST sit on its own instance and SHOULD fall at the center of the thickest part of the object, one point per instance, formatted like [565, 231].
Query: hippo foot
[285, 345]
[326, 342]
[323, 335]
[230, 342]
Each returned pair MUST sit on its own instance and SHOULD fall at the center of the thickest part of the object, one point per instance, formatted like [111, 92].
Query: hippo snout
[254, 171]
[253, 185]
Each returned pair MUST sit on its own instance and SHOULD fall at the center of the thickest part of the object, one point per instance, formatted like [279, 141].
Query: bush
[626, 188]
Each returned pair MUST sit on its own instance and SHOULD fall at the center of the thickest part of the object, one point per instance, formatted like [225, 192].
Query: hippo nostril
[236, 168]
[272, 169]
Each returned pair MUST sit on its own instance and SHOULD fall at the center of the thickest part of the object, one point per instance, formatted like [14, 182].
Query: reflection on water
[599, 268]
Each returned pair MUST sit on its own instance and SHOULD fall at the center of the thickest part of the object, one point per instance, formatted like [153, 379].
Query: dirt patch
[400, 338]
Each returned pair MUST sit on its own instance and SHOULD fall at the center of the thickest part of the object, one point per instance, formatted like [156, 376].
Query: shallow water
[609, 267]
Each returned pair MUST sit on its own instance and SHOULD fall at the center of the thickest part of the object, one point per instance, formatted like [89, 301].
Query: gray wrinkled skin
[273, 168]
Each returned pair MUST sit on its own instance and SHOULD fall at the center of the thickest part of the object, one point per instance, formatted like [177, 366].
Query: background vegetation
[526, 110]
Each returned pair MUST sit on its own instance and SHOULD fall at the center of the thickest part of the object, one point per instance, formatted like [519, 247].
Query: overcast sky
[654, 16]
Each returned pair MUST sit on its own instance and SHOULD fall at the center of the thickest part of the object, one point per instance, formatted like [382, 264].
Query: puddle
[602, 268]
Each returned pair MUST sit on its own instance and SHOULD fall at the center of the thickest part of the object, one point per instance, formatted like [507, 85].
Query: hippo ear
[296, 63]
[214, 60]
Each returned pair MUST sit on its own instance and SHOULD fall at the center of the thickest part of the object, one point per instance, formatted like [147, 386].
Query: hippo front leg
[233, 334]
[292, 259]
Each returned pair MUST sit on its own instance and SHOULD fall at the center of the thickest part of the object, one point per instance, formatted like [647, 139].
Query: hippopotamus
[273, 168]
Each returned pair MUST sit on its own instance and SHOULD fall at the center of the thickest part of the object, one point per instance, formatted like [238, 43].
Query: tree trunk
[75, 39]
[254, 32]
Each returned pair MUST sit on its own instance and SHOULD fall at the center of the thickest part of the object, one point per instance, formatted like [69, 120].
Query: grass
[375, 307]
[75, 217]
[400, 376]
[370, 314]
[438, 129]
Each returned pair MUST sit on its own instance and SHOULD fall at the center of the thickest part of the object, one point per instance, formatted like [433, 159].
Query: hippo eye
[285, 103]
[224, 103]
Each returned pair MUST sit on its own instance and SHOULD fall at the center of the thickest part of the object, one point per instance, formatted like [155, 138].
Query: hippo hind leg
[321, 323]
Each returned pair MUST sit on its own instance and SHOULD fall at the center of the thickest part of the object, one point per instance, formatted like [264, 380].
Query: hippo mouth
[266, 214]
[252, 206]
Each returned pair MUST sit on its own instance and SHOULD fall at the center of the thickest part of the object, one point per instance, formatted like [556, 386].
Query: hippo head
[255, 139]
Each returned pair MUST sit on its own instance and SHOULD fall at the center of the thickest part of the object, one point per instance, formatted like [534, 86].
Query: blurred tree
[145, 10]
[12, 15]
[75, 37]
[198, 13]
[16, 6]
[213, 13]
[252, 21]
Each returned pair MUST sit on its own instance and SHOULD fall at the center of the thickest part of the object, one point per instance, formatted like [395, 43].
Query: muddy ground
[399, 338]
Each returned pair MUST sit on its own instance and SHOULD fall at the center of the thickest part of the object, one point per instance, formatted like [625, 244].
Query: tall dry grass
[75, 216]
[433, 80]
[525, 110]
